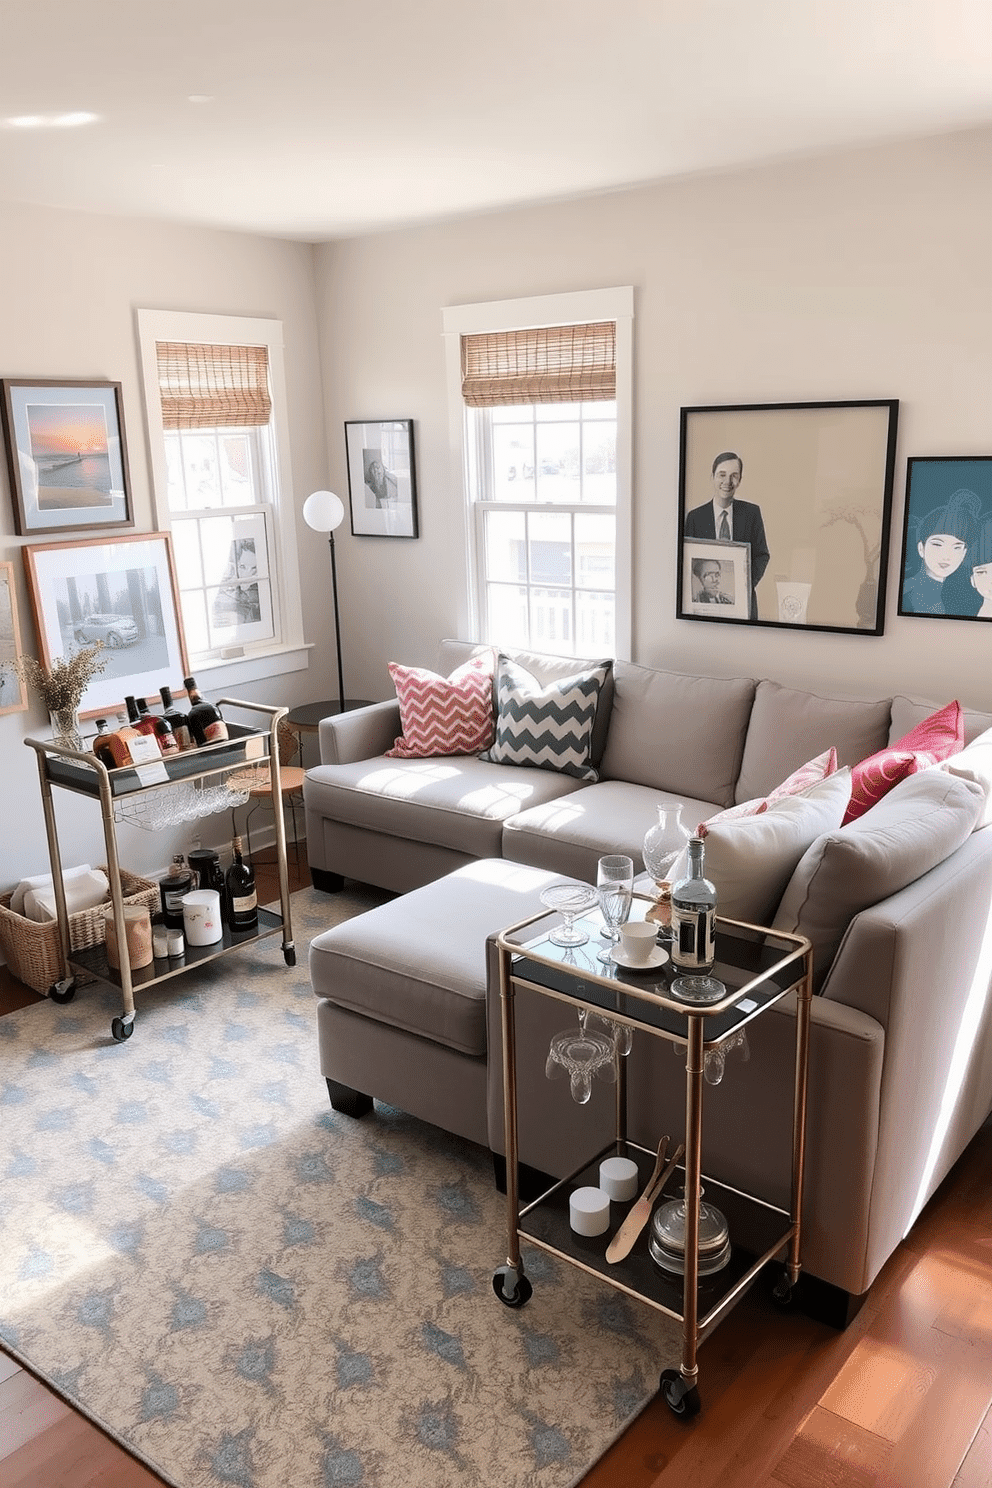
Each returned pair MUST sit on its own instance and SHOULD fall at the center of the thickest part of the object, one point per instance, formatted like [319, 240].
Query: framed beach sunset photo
[66, 455]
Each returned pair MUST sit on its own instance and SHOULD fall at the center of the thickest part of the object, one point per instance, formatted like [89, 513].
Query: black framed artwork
[806, 490]
[382, 479]
[947, 538]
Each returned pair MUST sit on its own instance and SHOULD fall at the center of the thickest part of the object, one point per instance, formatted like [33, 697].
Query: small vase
[664, 841]
[65, 728]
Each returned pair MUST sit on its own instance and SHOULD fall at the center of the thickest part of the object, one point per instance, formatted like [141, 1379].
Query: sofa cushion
[444, 715]
[974, 763]
[419, 962]
[932, 739]
[458, 802]
[572, 833]
[916, 826]
[751, 860]
[907, 712]
[810, 773]
[679, 734]
[547, 725]
[788, 726]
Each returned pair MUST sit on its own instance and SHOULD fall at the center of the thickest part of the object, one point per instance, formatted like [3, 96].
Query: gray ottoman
[401, 1012]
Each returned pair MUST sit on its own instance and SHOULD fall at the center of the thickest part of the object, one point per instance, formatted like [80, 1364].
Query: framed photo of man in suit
[805, 491]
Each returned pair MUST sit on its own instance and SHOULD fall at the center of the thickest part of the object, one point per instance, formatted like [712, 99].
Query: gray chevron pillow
[547, 725]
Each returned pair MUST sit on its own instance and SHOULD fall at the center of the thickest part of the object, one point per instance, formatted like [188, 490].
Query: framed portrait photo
[13, 693]
[947, 538]
[118, 590]
[382, 482]
[66, 454]
[716, 576]
[807, 489]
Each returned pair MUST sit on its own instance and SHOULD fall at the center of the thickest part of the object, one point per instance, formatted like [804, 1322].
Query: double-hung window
[213, 388]
[543, 398]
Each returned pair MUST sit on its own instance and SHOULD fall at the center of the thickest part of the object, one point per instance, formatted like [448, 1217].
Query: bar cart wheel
[289, 954]
[782, 1291]
[512, 1287]
[63, 991]
[681, 1399]
[122, 1029]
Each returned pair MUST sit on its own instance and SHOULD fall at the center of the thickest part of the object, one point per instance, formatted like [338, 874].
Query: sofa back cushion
[908, 712]
[678, 734]
[788, 726]
[545, 668]
[916, 826]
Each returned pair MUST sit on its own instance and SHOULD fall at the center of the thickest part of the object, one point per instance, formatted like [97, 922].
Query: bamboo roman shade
[213, 387]
[549, 364]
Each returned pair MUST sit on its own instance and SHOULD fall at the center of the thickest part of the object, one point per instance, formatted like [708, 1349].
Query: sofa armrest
[363, 733]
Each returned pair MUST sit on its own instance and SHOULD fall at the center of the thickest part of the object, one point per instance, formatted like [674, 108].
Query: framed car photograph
[807, 488]
[118, 590]
[947, 538]
[66, 454]
[382, 481]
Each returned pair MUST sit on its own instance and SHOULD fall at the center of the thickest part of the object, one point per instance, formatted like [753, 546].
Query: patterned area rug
[245, 1288]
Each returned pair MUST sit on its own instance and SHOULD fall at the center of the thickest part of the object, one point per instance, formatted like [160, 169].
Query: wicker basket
[31, 947]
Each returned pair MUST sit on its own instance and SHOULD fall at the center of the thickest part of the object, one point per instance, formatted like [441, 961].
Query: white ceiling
[316, 119]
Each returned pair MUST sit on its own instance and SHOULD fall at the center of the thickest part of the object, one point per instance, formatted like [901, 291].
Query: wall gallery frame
[947, 538]
[382, 482]
[66, 455]
[122, 591]
[13, 693]
[807, 487]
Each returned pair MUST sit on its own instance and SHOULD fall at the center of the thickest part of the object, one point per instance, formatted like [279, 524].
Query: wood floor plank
[976, 1469]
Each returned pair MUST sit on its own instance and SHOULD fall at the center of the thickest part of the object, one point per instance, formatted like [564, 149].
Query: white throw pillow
[974, 763]
[750, 860]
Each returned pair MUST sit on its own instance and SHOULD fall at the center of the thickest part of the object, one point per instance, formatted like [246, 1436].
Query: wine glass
[615, 884]
[569, 900]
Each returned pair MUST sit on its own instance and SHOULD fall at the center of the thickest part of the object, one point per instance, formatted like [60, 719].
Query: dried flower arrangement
[61, 688]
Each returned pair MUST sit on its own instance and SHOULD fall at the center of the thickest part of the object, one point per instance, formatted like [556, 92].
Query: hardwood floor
[901, 1399]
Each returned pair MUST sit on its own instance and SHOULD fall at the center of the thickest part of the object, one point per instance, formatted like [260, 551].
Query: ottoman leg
[327, 883]
[349, 1102]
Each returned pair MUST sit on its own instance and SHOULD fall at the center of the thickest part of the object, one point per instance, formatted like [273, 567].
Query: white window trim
[518, 315]
[291, 654]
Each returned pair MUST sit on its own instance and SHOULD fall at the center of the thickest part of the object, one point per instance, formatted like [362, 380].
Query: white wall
[861, 275]
[68, 292]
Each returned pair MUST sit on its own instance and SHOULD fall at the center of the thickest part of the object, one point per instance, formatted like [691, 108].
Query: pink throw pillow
[811, 773]
[936, 738]
[444, 715]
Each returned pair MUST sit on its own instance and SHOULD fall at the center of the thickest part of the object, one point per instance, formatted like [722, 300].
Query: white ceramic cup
[637, 938]
[201, 917]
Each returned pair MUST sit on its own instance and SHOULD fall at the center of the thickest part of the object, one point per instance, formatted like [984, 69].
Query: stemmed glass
[569, 900]
[615, 884]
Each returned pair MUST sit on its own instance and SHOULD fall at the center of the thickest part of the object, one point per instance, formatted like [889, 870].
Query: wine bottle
[239, 892]
[204, 720]
[167, 740]
[180, 727]
[694, 915]
[177, 883]
[139, 717]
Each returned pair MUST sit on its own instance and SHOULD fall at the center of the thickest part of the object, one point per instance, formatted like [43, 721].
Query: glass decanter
[663, 845]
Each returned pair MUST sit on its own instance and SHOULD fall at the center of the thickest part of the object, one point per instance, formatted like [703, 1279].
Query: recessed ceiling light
[51, 121]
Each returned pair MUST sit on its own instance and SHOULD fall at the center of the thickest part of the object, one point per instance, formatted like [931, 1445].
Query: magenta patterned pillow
[444, 715]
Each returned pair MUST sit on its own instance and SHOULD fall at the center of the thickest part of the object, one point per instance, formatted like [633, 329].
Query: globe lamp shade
[323, 511]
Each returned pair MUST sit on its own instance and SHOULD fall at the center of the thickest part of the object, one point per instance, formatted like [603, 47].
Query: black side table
[306, 718]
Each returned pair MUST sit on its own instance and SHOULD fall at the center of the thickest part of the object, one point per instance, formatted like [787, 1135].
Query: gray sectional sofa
[898, 906]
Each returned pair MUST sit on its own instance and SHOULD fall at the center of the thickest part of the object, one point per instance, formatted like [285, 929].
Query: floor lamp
[323, 512]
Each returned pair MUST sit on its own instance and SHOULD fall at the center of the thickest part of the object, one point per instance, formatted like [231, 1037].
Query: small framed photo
[382, 483]
[807, 488]
[13, 693]
[716, 578]
[947, 538]
[67, 455]
[118, 590]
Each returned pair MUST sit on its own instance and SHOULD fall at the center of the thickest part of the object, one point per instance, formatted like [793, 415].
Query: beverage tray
[244, 746]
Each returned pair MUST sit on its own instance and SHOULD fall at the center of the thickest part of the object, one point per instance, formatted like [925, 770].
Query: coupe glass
[615, 884]
[569, 900]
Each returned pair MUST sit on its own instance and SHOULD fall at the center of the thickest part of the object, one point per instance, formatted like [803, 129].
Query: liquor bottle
[177, 883]
[139, 716]
[204, 720]
[101, 745]
[239, 892]
[111, 746]
[694, 916]
[180, 727]
[161, 728]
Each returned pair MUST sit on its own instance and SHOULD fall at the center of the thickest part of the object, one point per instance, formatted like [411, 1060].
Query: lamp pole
[323, 512]
[337, 619]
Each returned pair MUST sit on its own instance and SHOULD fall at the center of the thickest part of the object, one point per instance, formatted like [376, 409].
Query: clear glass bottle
[180, 727]
[204, 720]
[177, 883]
[694, 932]
[240, 897]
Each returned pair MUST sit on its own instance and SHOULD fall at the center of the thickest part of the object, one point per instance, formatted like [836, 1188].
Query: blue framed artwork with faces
[947, 538]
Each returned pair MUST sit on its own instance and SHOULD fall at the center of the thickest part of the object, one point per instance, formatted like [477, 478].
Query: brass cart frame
[759, 968]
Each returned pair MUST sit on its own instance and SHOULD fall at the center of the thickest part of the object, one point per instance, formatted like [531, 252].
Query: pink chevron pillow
[811, 773]
[936, 738]
[444, 715]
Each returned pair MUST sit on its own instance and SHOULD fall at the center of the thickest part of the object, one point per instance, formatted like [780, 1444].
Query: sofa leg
[826, 1303]
[349, 1102]
[531, 1182]
[327, 883]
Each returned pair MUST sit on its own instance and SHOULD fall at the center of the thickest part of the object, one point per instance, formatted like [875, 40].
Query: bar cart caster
[63, 990]
[512, 1287]
[682, 1399]
[289, 954]
[122, 1028]
[783, 1289]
